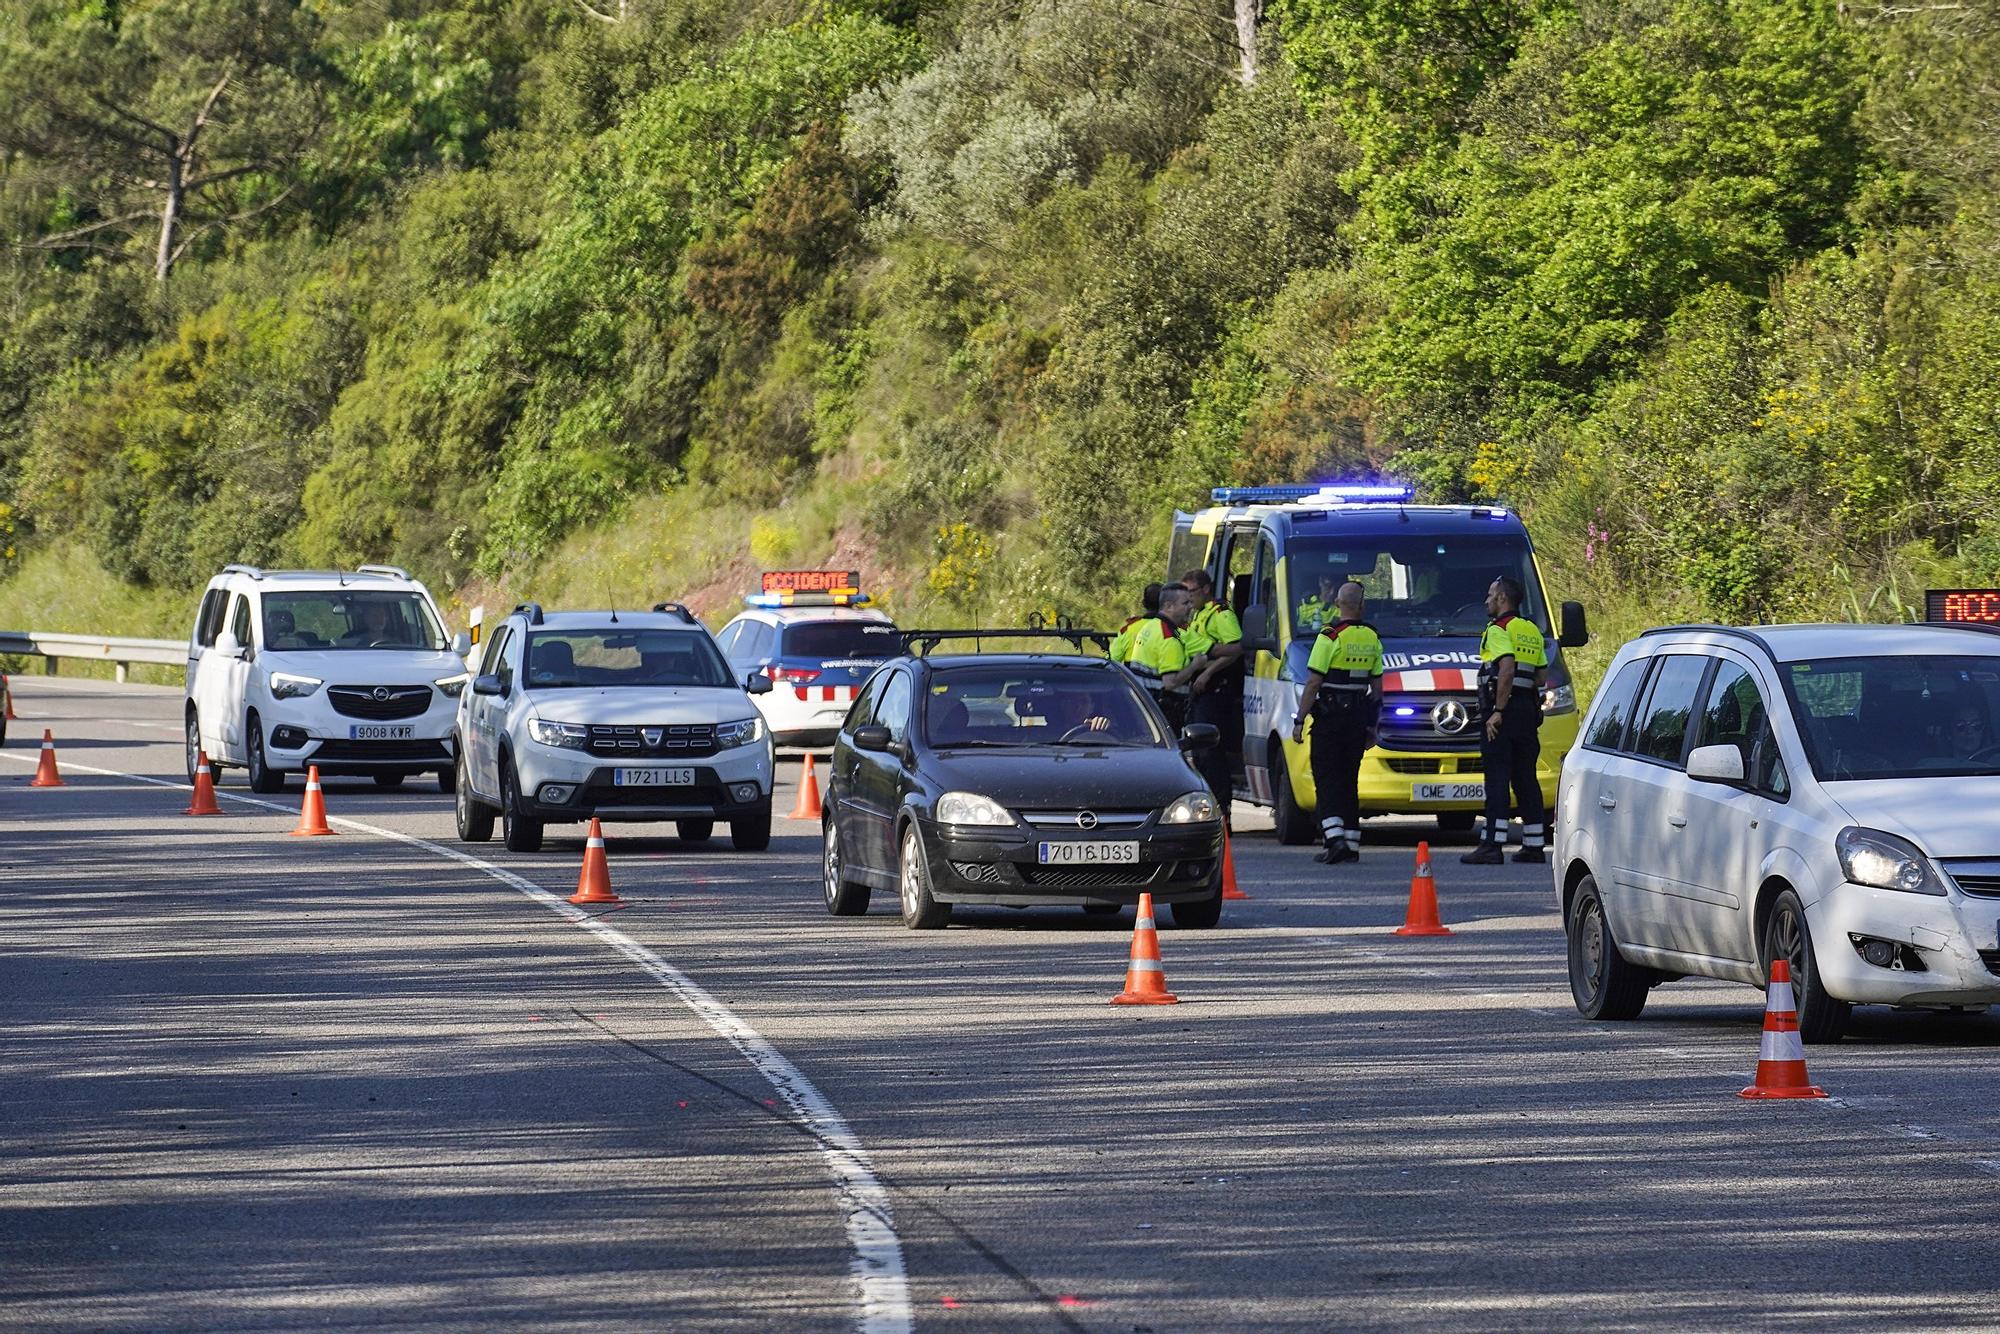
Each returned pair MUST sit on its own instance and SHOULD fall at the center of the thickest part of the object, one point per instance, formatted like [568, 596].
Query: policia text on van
[1278, 554]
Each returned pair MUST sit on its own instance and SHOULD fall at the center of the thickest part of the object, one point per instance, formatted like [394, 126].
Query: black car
[1017, 779]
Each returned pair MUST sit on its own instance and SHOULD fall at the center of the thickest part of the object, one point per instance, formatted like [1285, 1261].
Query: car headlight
[740, 733]
[454, 686]
[284, 685]
[570, 736]
[1194, 808]
[971, 808]
[1885, 861]
[1559, 699]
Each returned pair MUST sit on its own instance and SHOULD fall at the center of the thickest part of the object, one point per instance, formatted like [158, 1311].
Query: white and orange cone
[593, 882]
[1781, 1059]
[204, 789]
[807, 807]
[312, 811]
[45, 772]
[1145, 978]
[1420, 918]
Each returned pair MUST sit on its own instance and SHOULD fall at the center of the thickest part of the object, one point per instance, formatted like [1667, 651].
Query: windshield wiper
[1092, 741]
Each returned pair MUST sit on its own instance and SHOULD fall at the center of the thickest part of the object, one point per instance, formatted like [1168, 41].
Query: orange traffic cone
[1781, 1059]
[807, 806]
[1145, 979]
[1421, 917]
[204, 788]
[8, 692]
[45, 772]
[312, 813]
[1229, 889]
[593, 883]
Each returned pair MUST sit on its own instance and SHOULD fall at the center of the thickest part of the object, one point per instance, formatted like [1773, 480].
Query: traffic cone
[45, 772]
[204, 789]
[593, 883]
[1781, 1058]
[807, 806]
[312, 812]
[1229, 889]
[1145, 979]
[8, 691]
[1421, 917]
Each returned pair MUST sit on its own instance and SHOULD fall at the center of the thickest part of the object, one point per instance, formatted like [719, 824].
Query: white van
[351, 671]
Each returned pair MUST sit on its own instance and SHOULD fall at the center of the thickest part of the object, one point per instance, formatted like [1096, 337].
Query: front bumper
[727, 785]
[1953, 941]
[805, 716]
[1177, 864]
[1389, 779]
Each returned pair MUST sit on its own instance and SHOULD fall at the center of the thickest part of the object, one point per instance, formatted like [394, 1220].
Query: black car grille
[1069, 819]
[1091, 877]
[360, 701]
[331, 752]
[1418, 732]
[675, 741]
[1979, 876]
[1991, 958]
[1434, 765]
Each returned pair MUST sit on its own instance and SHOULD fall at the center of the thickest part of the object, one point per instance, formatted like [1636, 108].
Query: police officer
[1166, 658]
[1217, 693]
[1121, 643]
[1317, 609]
[1343, 692]
[1513, 662]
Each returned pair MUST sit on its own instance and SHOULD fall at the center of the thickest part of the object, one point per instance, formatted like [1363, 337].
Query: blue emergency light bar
[1333, 493]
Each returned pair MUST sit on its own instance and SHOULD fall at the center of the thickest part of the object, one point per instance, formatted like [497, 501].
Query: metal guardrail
[119, 652]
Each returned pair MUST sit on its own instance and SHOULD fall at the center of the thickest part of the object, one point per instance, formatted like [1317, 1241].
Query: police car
[1278, 554]
[812, 633]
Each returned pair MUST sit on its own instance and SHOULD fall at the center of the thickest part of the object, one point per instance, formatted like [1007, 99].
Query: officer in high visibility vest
[1513, 662]
[1166, 658]
[1343, 694]
[1128, 633]
[1318, 609]
[1217, 693]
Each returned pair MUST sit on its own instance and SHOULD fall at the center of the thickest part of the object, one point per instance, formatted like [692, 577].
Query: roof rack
[251, 570]
[1733, 631]
[392, 571]
[922, 642]
[678, 609]
[532, 610]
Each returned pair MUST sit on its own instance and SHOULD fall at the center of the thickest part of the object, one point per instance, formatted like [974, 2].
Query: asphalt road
[251, 1081]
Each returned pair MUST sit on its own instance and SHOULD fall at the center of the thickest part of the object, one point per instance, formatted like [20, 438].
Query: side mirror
[872, 737]
[1574, 632]
[487, 683]
[1200, 736]
[1256, 627]
[461, 644]
[228, 645]
[757, 683]
[1716, 764]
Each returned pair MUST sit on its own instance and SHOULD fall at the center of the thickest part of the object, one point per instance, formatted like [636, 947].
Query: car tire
[263, 778]
[194, 749]
[694, 831]
[1457, 822]
[1296, 825]
[844, 897]
[521, 833]
[390, 781]
[921, 912]
[1602, 982]
[1787, 936]
[448, 780]
[1198, 914]
[752, 832]
[474, 817]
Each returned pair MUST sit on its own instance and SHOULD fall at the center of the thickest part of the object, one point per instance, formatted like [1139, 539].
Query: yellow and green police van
[1278, 553]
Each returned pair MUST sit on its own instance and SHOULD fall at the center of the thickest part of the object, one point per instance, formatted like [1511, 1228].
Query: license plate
[652, 777]
[381, 732]
[1088, 854]
[1448, 792]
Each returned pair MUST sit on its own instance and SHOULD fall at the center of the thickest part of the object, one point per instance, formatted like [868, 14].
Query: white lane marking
[871, 1228]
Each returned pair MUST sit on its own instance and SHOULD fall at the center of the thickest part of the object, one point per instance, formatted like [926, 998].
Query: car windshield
[836, 640]
[1898, 717]
[350, 619]
[1034, 706]
[1418, 587]
[567, 659]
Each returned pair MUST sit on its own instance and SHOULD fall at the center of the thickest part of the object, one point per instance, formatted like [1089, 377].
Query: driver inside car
[1970, 730]
[376, 626]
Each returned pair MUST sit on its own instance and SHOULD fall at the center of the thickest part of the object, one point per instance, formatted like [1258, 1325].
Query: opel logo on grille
[1450, 718]
[1086, 819]
[381, 694]
[652, 735]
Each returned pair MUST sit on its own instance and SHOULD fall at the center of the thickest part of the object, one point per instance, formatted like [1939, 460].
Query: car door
[225, 680]
[1719, 852]
[203, 663]
[1642, 789]
[844, 770]
[486, 718]
[878, 774]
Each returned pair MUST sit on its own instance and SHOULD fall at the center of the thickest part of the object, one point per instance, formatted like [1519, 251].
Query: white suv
[1825, 793]
[349, 671]
[616, 714]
